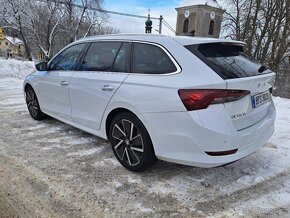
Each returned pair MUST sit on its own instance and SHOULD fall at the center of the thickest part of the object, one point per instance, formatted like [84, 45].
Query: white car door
[53, 86]
[101, 73]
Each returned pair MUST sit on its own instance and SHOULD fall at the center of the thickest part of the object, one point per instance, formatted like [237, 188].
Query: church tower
[199, 18]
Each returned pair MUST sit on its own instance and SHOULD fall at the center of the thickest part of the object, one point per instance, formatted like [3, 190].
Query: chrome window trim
[131, 41]
[143, 42]
[178, 68]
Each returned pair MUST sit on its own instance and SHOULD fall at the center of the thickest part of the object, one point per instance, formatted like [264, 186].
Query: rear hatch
[240, 72]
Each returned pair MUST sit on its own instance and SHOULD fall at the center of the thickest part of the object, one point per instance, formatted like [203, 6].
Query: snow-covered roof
[212, 3]
[14, 40]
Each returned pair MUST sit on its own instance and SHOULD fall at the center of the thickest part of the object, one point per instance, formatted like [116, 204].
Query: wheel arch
[111, 116]
[118, 110]
[26, 86]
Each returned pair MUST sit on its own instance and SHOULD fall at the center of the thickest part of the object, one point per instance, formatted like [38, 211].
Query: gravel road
[50, 169]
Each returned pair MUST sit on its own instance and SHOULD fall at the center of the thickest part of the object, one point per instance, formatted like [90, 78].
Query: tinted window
[151, 59]
[122, 61]
[228, 60]
[100, 56]
[68, 59]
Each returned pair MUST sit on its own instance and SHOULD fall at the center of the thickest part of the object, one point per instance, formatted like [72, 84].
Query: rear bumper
[184, 137]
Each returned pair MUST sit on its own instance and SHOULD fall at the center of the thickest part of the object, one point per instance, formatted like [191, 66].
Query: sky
[166, 8]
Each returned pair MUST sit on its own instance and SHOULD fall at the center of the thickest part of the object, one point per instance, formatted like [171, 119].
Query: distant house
[11, 47]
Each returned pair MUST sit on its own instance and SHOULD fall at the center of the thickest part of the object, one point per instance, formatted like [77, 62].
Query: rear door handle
[64, 83]
[107, 88]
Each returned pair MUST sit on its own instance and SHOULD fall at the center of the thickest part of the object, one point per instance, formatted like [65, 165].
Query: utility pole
[160, 24]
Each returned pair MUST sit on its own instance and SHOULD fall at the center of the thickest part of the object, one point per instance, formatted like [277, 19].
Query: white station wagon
[194, 101]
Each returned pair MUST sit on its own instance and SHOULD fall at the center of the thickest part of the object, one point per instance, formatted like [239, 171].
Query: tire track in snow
[226, 202]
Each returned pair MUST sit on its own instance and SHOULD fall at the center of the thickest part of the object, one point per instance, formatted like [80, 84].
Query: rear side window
[68, 59]
[100, 56]
[227, 60]
[122, 60]
[151, 59]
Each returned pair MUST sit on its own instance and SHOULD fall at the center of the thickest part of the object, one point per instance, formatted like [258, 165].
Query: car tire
[131, 142]
[33, 105]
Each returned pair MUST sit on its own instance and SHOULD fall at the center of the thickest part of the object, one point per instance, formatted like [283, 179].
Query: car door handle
[107, 88]
[64, 83]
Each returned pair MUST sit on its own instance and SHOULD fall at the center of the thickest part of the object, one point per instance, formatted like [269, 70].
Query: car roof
[159, 38]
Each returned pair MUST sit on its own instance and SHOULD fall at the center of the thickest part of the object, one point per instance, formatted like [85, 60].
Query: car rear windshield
[228, 60]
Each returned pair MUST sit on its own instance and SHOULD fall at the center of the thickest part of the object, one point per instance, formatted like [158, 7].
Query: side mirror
[42, 66]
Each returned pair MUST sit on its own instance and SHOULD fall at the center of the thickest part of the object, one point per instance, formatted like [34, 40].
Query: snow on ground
[86, 152]
[258, 184]
[15, 68]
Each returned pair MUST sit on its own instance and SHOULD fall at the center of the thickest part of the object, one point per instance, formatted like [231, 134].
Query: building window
[211, 28]
[185, 25]
[6, 43]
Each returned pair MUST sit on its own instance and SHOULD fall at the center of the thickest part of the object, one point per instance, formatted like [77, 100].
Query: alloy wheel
[32, 103]
[127, 142]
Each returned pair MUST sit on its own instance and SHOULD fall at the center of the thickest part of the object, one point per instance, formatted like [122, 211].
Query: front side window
[151, 59]
[100, 56]
[68, 59]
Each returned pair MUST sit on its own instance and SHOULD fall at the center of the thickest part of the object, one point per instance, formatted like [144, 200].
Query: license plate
[260, 99]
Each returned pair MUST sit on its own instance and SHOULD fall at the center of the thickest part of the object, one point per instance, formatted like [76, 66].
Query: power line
[133, 21]
[161, 19]
[168, 26]
[100, 10]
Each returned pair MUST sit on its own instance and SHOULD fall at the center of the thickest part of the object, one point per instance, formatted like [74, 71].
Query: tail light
[196, 99]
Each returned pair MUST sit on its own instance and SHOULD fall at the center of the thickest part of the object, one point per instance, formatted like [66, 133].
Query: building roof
[212, 3]
[14, 40]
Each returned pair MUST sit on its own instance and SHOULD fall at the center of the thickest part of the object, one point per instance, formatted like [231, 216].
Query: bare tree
[45, 26]
[45, 30]
[265, 27]
[15, 18]
[77, 12]
[93, 20]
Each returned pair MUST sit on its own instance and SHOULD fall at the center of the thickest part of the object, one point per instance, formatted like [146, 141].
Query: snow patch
[107, 162]
[135, 180]
[143, 209]
[16, 68]
[117, 184]
[81, 141]
[87, 152]
[50, 147]
[12, 101]
[178, 186]
[275, 203]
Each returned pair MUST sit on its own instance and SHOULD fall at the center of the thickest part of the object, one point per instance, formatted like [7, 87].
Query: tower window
[211, 28]
[185, 25]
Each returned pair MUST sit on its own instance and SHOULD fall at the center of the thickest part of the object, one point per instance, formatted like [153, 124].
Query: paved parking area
[50, 169]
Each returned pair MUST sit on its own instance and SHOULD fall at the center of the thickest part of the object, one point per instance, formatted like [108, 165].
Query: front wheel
[131, 142]
[33, 105]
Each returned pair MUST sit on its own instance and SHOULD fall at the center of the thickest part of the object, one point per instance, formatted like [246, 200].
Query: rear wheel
[33, 105]
[131, 142]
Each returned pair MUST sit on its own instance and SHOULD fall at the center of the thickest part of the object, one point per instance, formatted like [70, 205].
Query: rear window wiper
[262, 69]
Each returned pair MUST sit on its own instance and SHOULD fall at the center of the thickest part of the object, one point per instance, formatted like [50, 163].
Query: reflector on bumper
[221, 153]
